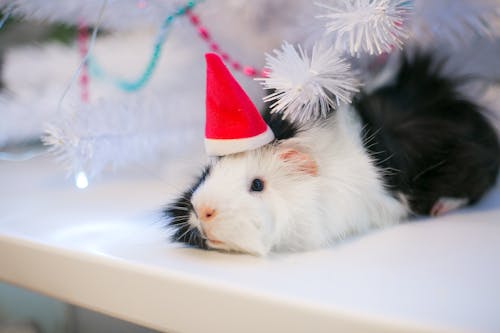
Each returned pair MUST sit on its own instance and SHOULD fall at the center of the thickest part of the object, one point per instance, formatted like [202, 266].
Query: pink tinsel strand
[82, 41]
[206, 36]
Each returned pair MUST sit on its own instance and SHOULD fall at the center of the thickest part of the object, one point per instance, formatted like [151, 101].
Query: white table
[103, 248]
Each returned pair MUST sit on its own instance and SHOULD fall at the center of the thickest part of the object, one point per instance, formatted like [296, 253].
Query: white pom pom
[307, 87]
[372, 26]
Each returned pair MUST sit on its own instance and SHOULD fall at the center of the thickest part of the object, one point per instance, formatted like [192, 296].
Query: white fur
[297, 211]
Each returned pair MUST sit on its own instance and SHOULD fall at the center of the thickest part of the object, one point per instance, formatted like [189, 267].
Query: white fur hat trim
[221, 147]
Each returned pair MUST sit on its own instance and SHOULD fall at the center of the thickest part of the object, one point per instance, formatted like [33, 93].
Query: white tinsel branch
[455, 21]
[111, 134]
[119, 14]
[372, 26]
[308, 87]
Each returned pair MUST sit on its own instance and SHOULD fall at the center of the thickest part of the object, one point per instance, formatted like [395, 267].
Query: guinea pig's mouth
[211, 241]
[214, 242]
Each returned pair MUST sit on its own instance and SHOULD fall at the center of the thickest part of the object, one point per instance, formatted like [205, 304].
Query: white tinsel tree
[119, 130]
[109, 134]
[455, 22]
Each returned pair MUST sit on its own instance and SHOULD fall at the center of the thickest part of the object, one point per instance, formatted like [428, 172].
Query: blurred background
[135, 95]
[138, 94]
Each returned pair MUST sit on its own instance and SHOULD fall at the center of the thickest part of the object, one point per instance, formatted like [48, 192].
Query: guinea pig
[412, 146]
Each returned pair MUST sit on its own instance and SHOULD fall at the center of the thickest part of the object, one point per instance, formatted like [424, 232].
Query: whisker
[184, 233]
[179, 208]
[177, 217]
[182, 222]
[386, 159]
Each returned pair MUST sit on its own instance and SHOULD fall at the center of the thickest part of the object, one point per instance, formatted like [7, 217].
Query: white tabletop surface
[104, 248]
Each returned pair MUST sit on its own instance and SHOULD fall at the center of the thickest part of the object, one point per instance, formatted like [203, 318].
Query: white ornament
[308, 87]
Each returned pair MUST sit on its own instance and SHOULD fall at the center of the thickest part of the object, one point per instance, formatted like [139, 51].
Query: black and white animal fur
[414, 146]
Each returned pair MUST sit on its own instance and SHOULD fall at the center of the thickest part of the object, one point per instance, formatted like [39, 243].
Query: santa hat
[233, 123]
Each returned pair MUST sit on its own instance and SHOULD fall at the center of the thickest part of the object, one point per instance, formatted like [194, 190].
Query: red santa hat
[233, 123]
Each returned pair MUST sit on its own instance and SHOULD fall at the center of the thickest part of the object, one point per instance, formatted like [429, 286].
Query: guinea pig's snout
[205, 213]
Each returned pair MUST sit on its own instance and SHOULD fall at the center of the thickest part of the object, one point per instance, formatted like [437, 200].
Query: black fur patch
[282, 128]
[178, 214]
[428, 140]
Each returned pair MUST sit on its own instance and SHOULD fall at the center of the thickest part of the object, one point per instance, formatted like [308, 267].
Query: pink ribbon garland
[82, 41]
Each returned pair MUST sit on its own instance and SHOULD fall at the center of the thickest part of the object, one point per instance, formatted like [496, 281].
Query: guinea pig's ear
[303, 162]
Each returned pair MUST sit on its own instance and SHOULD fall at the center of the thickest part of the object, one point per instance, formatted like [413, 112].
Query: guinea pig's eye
[257, 185]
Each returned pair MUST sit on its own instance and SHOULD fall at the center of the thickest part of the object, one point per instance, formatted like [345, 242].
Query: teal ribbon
[130, 86]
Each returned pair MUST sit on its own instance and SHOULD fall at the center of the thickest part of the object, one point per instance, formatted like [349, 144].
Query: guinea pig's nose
[206, 213]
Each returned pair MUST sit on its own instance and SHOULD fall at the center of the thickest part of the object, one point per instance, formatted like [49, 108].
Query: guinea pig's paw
[445, 205]
[259, 252]
[253, 249]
